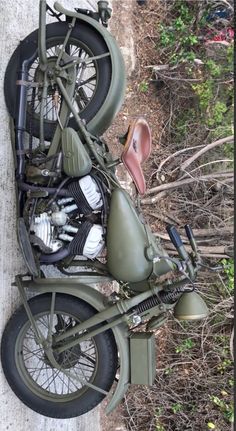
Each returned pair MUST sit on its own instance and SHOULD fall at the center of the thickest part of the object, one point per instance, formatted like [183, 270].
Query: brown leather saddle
[136, 150]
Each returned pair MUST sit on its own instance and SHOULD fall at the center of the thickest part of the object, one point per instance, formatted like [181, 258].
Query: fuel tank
[126, 241]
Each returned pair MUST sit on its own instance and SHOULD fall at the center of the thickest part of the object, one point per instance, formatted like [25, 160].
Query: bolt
[50, 73]
[45, 172]
[136, 319]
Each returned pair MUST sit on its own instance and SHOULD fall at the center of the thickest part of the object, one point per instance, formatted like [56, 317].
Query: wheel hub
[51, 66]
[67, 359]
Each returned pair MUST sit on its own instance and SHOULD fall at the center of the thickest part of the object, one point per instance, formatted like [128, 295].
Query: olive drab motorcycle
[62, 349]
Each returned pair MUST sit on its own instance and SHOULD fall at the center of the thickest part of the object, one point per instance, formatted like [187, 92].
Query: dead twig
[154, 200]
[176, 184]
[204, 250]
[206, 164]
[166, 218]
[183, 150]
[199, 233]
[208, 147]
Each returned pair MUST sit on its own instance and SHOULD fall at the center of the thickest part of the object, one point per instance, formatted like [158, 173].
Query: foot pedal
[26, 248]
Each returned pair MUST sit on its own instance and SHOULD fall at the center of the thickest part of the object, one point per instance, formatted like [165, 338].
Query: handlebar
[178, 243]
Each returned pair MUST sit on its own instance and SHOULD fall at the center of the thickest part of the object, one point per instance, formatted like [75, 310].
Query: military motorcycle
[63, 349]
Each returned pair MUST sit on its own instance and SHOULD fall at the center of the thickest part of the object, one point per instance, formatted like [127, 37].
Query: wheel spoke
[51, 379]
[92, 360]
[31, 353]
[78, 363]
[88, 80]
[85, 87]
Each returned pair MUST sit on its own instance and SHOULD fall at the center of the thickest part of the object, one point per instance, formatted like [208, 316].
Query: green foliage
[212, 93]
[224, 366]
[186, 345]
[168, 371]
[229, 149]
[213, 102]
[176, 408]
[167, 37]
[143, 86]
[179, 24]
[211, 425]
[204, 91]
[178, 35]
[217, 115]
[225, 407]
[159, 427]
[228, 265]
[230, 56]
[213, 68]
[183, 122]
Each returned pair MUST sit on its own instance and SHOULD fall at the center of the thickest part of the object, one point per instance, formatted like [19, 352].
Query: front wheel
[41, 387]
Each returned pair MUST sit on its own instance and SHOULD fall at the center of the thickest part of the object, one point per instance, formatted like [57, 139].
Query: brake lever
[211, 268]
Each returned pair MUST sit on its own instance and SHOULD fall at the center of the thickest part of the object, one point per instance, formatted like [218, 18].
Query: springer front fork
[121, 314]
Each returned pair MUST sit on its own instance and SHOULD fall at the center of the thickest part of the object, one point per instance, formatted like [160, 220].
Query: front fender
[97, 300]
[115, 97]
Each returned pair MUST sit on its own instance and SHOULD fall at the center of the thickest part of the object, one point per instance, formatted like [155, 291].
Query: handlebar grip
[191, 238]
[174, 236]
[189, 232]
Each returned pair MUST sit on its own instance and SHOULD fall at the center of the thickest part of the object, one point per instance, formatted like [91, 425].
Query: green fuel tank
[126, 241]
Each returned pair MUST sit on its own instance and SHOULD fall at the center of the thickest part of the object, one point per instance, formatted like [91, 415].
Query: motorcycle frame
[116, 316]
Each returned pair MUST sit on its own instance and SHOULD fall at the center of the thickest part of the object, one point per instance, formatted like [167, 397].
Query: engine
[65, 224]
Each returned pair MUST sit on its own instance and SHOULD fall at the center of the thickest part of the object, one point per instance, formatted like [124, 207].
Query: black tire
[91, 42]
[16, 354]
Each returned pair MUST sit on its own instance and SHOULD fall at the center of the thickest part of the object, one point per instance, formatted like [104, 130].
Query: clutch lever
[183, 254]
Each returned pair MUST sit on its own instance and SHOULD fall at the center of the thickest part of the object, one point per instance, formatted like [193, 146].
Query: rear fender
[104, 117]
[97, 301]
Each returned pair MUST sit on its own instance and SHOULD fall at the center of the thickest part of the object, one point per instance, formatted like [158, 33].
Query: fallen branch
[153, 200]
[175, 184]
[228, 230]
[205, 251]
[205, 164]
[166, 237]
[166, 218]
[183, 150]
[199, 233]
[176, 78]
[204, 150]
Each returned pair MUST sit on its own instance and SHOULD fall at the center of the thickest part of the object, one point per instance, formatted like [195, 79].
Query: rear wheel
[41, 387]
[92, 83]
